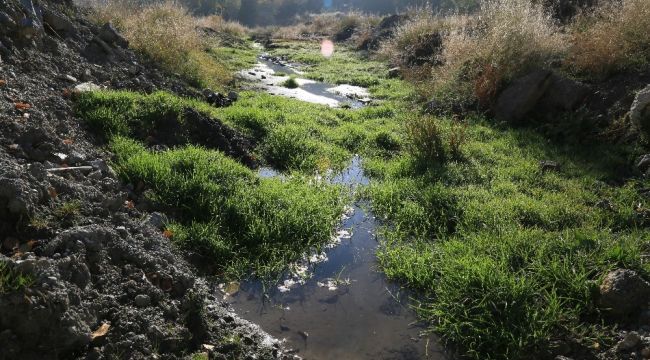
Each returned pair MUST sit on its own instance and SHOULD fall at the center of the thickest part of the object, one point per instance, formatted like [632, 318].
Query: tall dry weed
[613, 37]
[166, 34]
[506, 39]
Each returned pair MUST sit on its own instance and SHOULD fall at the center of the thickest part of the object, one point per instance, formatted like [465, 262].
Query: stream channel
[337, 304]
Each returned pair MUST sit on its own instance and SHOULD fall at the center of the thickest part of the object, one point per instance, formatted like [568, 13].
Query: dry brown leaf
[68, 141]
[22, 106]
[129, 204]
[52, 192]
[3, 83]
[100, 332]
[168, 234]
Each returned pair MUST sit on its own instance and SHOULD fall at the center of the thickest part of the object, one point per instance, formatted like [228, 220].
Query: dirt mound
[102, 282]
[383, 31]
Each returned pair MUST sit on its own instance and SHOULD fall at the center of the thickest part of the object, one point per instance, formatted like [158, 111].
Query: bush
[418, 41]
[507, 39]
[291, 83]
[613, 37]
[425, 140]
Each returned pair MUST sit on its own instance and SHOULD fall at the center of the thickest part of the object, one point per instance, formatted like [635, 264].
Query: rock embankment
[102, 282]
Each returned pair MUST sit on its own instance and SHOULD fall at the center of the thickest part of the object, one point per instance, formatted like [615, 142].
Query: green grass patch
[235, 59]
[11, 280]
[225, 211]
[506, 256]
[291, 83]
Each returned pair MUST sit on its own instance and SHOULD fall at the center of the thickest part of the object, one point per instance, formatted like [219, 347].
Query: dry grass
[507, 39]
[219, 24]
[614, 37]
[327, 24]
[166, 34]
[470, 58]
[412, 38]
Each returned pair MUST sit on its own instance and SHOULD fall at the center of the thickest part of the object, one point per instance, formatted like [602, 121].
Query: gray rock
[37, 170]
[646, 353]
[394, 73]
[623, 291]
[640, 110]
[548, 165]
[629, 342]
[101, 165]
[29, 28]
[142, 300]
[643, 163]
[563, 94]
[58, 22]
[157, 220]
[518, 99]
[6, 22]
[110, 35]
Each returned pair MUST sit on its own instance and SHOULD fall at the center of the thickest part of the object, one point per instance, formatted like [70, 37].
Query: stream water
[345, 309]
[270, 76]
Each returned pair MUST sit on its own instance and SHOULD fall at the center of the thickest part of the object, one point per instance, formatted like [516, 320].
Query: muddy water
[346, 309]
[270, 76]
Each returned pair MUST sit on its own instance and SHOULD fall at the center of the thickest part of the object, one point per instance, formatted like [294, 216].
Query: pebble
[646, 353]
[630, 341]
[142, 300]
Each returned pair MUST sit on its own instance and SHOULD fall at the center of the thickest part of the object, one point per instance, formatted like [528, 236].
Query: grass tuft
[11, 280]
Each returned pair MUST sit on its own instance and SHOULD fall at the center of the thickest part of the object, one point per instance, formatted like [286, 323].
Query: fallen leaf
[168, 234]
[68, 141]
[52, 192]
[22, 106]
[67, 92]
[3, 83]
[100, 332]
[129, 204]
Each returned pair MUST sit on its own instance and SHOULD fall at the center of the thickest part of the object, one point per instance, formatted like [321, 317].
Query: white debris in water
[273, 83]
[286, 285]
[350, 91]
[333, 284]
[348, 212]
[318, 258]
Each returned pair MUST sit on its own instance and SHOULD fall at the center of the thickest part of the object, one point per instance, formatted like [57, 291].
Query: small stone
[646, 353]
[87, 86]
[623, 291]
[69, 78]
[157, 220]
[629, 342]
[548, 165]
[643, 163]
[394, 72]
[142, 300]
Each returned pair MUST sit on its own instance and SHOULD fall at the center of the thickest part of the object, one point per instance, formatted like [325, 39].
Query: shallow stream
[342, 307]
[270, 76]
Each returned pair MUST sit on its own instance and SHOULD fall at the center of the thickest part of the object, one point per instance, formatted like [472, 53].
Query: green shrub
[291, 83]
